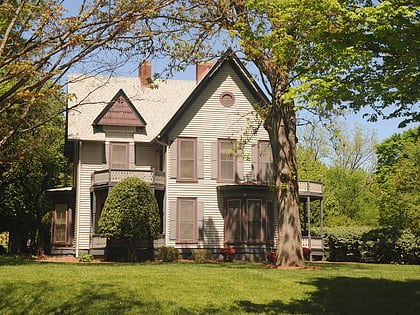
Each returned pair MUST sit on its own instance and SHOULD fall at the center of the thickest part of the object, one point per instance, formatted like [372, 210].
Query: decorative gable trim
[120, 112]
[230, 58]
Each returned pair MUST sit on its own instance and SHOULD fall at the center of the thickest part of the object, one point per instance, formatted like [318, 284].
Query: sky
[383, 128]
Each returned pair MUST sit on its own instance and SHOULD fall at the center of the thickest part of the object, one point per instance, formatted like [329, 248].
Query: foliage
[398, 174]
[382, 245]
[344, 243]
[179, 288]
[317, 55]
[41, 165]
[130, 212]
[341, 158]
[201, 255]
[3, 250]
[85, 257]
[167, 253]
[41, 42]
[391, 245]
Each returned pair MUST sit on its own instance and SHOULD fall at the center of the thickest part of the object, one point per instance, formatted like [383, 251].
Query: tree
[398, 174]
[130, 212]
[23, 182]
[40, 43]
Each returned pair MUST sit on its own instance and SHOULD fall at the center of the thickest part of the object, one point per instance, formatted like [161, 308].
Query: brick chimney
[145, 73]
[202, 69]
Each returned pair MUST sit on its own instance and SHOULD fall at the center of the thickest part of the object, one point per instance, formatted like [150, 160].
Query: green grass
[191, 288]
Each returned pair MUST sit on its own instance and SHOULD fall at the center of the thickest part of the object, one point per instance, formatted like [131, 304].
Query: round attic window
[227, 99]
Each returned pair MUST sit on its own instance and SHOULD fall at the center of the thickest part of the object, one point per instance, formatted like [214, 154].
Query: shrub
[306, 253]
[272, 257]
[130, 212]
[2, 250]
[201, 255]
[85, 257]
[167, 253]
[227, 253]
[344, 243]
[383, 245]
[391, 245]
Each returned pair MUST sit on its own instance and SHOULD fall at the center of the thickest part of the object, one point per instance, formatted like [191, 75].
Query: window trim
[243, 238]
[178, 158]
[68, 224]
[127, 156]
[235, 161]
[195, 221]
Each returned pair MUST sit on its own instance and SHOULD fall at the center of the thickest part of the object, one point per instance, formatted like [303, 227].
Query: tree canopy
[398, 174]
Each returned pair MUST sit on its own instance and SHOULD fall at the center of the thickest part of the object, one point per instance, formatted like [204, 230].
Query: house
[189, 141]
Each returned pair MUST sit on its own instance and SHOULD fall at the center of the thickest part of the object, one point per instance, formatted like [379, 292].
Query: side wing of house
[213, 166]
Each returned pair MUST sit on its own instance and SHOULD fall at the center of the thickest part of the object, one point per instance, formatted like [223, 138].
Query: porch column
[308, 209]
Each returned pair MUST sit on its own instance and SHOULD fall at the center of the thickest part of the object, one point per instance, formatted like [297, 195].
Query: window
[254, 217]
[249, 220]
[119, 156]
[227, 160]
[265, 162]
[187, 149]
[233, 218]
[61, 224]
[187, 220]
[227, 99]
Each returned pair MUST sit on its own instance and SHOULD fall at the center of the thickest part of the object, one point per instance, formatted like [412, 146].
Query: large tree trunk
[281, 126]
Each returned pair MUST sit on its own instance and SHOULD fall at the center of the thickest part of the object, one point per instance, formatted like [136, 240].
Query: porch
[156, 179]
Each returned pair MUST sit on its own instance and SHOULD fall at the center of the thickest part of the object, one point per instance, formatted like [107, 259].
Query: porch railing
[310, 187]
[105, 177]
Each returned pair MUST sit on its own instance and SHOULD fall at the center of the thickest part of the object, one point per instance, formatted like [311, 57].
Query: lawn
[219, 288]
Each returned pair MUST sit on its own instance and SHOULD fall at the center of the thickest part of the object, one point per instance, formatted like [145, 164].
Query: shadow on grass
[42, 298]
[14, 260]
[342, 295]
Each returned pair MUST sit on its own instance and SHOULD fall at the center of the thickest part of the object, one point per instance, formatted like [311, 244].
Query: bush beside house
[382, 245]
[130, 214]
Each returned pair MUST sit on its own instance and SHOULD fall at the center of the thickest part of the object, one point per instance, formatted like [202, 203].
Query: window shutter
[174, 159]
[53, 219]
[254, 162]
[69, 226]
[214, 166]
[200, 220]
[172, 223]
[240, 168]
[200, 161]
[104, 153]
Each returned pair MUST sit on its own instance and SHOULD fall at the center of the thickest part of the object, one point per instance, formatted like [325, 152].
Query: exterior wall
[208, 120]
[91, 160]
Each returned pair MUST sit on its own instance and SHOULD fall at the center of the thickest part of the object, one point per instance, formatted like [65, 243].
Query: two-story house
[197, 143]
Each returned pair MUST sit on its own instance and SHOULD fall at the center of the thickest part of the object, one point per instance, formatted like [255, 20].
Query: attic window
[227, 99]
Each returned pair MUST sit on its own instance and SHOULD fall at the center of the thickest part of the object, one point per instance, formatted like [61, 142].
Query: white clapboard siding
[208, 120]
[146, 155]
[91, 160]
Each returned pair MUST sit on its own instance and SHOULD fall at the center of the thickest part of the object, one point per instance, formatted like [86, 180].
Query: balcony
[111, 177]
[309, 188]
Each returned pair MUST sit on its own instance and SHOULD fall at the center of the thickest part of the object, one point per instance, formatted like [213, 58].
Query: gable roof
[120, 112]
[228, 57]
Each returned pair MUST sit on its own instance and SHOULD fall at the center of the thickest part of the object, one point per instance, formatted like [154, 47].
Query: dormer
[119, 115]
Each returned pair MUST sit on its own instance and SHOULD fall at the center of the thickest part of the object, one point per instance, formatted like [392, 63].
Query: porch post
[308, 209]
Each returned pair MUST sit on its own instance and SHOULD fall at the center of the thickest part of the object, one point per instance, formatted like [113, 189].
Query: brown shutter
[174, 159]
[254, 162]
[240, 168]
[200, 220]
[53, 218]
[200, 161]
[69, 226]
[172, 220]
[214, 166]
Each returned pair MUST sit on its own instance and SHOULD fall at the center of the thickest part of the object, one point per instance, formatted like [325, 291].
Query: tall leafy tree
[398, 174]
[310, 53]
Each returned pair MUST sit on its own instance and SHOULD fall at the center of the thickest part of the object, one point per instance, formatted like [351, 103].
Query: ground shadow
[343, 295]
